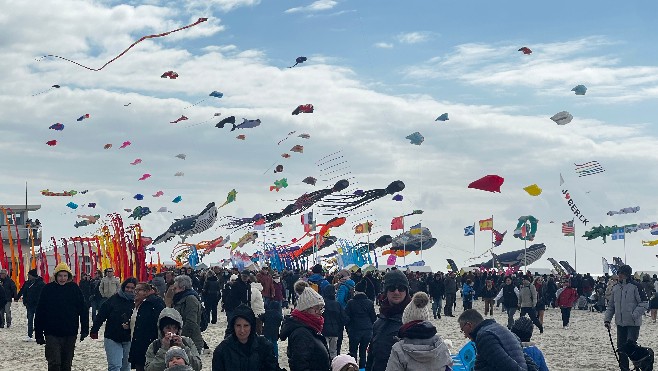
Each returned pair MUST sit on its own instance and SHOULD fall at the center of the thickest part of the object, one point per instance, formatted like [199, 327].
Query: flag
[606, 266]
[469, 231]
[654, 229]
[309, 227]
[524, 231]
[397, 223]
[498, 237]
[568, 229]
[307, 218]
[415, 229]
[259, 225]
[618, 234]
[363, 227]
[486, 224]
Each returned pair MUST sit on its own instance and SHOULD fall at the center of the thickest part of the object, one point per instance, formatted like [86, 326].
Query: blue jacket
[467, 293]
[319, 280]
[497, 348]
[533, 352]
[343, 291]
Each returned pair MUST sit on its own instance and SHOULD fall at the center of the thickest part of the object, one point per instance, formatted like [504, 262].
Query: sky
[376, 72]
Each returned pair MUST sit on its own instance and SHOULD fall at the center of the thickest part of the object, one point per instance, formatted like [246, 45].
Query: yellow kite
[533, 190]
[650, 243]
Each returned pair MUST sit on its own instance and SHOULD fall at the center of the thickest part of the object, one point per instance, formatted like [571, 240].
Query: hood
[257, 285]
[358, 295]
[417, 330]
[316, 277]
[289, 325]
[172, 314]
[243, 311]
[427, 350]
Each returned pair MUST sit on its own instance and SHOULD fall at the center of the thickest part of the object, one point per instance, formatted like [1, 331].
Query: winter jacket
[116, 311]
[211, 290]
[628, 304]
[272, 319]
[419, 350]
[155, 354]
[267, 284]
[61, 311]
[87, 290]
[307, 349]
[278, 291]
[436, 289]
[109, 286]
[31, 291]
[488, 293]
[384, 335]
[467, 293]
[537, 356]
[334, 318]
[510, 296]
[229, 355]
[146, 328]
[159, 283]
[450, 285]
[369, 285]
[342, 292]
[528, 296]
[239, 294]
[566, 297]
[319, 280]
[10, 288]
[360, 312]
[497, 348]
[187, 303]
[3, 299]
[257, 303]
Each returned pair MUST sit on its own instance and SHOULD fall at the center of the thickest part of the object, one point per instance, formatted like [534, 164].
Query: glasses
[399, 288]
[462, 325]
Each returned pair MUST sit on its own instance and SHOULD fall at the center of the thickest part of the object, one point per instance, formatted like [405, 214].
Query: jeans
[625, 333]
[117, 355]
[488, 306]
[510, 317]
[532, 313]
[566, 314]
[437, 303]
[274, 342]
[59, 352]
[360, 340]
[450, 301]
[30, 320]
[6, 313]
[332, 341]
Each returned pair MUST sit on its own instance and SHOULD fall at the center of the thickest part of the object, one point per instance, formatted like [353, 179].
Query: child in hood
[177, 360]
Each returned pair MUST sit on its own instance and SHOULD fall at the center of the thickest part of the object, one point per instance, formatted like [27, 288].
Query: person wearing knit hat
[307, 348]
[419, 348]
[60, 313]
[344, 362]
[170, 324]
[384, 331]
[176, 356]
[31, 291]
[522, 328]
[317, 279]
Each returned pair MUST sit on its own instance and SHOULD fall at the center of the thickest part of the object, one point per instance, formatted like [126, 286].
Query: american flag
[568, 229]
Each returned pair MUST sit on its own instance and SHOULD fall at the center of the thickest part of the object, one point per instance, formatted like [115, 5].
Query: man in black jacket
[9, 287]
[61, 310]
[31, 292]
[361, 317]
[149, 305]
[450, 292]
[436, 291]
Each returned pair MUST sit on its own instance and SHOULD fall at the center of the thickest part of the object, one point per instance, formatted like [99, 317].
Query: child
[566, 297]
[344, 362]
[272, 323]
[488, 295]
[523, 329]
[176, 360]
[467, 294]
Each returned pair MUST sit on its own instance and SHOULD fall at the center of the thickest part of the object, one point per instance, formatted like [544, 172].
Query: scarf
[389, 310]
[314, 322]
[130, 296]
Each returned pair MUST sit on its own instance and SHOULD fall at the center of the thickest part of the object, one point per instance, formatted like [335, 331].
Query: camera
[172, 342]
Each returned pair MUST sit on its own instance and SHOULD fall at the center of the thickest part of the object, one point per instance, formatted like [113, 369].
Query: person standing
[528, 301]
[9, 287]
[60, 313]
[467, 294]
[116, 313]
[31, 292]
[566, 297]
[628, 304]
[109, 285]
[488, 294]
[211, 295]
[361, 316]
[96, 298]
[510, 295]
[436, 292]
[450, 290]
[186, 301]
[144, 323]
[334, 320]
[265, 279]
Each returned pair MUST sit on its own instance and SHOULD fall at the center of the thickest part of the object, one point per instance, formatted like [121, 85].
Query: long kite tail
[200, 20]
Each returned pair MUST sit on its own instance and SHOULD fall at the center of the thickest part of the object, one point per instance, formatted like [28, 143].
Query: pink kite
[489, 183]
[158, 194]
[51, 142]
[125, 144]
[182, 118]
[137, 161]
[145, 176]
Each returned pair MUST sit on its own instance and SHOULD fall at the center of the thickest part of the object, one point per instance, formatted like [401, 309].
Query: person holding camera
[170, 324]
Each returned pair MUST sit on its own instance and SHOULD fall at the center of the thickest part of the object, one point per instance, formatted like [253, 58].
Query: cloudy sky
[376, 72]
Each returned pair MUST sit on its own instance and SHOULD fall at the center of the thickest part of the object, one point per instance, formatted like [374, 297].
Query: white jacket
[257, 304]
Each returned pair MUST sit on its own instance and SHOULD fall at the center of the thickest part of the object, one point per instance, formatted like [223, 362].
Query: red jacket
[567, 297]
[267, 282]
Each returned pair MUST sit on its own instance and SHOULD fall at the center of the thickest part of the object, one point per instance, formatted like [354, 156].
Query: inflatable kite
[298, 60]
[562, 118]
[227, 120]
[303, 108]
[172, 75]
[250, 237]
[158, 194]
[351, 202]
[411, 241]
[181, 118]
[57, 126]
[600, 231]
[177, 199]
[72, 205]
[137, 161]
[190, 225]
[516, 258]
[182, 156]
[415, 138]
[526, 228]
[579, 89]
[525, 50]
[626, 210]
[589, 168]
[533, 190]
[179, 173]
[278, 184]
[47, 192]
[309, 180]
[229, 198]
[498, 237]
[47, 90]
[490, 183]
[85, 116]
[442, 117]
[51, 142]
[138, 197]
[125, 144]
[144, 176]
[139, 212]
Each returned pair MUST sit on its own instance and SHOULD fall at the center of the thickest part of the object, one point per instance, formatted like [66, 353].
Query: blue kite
[415, 138]
[579, 89]
[443, 117]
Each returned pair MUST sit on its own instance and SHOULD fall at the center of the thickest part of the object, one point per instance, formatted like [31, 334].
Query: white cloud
[414, 37]
[316, 6]
[383, 45]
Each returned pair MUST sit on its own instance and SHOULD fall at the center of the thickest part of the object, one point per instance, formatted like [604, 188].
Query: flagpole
[575, 254]
[493, 263]
[624, 235]
[474, 238]
[421, 239]
[404, 245]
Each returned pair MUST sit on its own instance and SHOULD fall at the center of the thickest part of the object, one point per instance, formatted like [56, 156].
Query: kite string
[200, 20]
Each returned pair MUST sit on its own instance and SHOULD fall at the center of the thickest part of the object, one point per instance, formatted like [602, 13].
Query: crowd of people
[158, 325]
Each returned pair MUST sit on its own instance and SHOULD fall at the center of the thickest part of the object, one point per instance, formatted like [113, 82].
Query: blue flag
[469, 231]
[618, 234]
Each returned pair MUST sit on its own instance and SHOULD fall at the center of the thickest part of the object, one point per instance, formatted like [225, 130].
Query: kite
[351, 202]
[303, 108]
[415, 138]
[278, 184]
[107, 146]
[247, 238]
[297, 148]
[126, 105]
[190, 225]
[84, 192]
[304, 136]
[145, 176]
[246, 124]
[298, 60]
[214, 94]
[47, 192]
[558, 268]
[533, 190]
[158, 194]
[589, 168]
[275, 225]
[127, 210]
[498, 237]
[177, 199]
[442, 117]
[181, 118]
[562, 118]
[72, 205]
[229, 198]
[139, 213]
[81, 223]
[650, 243]
[57, 126]
[600, 231]
[172, 75]
[516, 258]
[179, 173]
[163, 210]
[568, 267]
[182, 156]
[228, 120]
[51, 142]
[200, 20]
[398, 197]
[91, 219]
[47, 90]
[409, 242]
[626, 210]
[285, 155]
[525, 50]
[138, 197]
[309, 180]
[579, 89]
[489, 183]
[525, 231]
[125, 144]
[241, 137]
[137, 161]
[85, 116]
[573, 207]
[278, 169]
[92, 205]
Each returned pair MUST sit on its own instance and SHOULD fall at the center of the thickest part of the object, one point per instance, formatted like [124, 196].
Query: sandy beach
[584, 346]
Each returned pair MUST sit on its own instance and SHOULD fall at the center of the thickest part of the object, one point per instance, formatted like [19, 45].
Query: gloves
[84, 335]
[606, 324]
[40, 339]
[92, 335]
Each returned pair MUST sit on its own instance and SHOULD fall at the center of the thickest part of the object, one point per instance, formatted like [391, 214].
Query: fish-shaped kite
[139, 212]
[47, 90]
[533, 190]
[137, 161]
[278, 169]
[249, 237]
[85, 116]
[138, 197]
[163, 210]
[92, 205]
[51, 142]
[224, 121]
[298, 60]
[177, 199]
[57, 126]
[579, 89]
[246, 124]
[304, 136]
[562, 118]
[297, 148]
[415, 138]
[181, 118]
[525, 50]
[442, 117]
[489, 183]
[303, 108]
[158, 194]
[278, 184]
[125, 144]
[216, 94]
[182, 156]
[190, 225]
[626, 210]
[179, 173]
[230, 197]
[285, 155]
[172, 75]
[144, 176]
[309, 180]
[107, 146]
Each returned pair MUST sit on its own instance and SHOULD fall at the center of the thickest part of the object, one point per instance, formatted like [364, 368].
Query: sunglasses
[400, 288]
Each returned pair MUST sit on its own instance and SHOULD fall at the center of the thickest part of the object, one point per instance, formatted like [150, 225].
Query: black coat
[361, 313]
[3, 299]
[211, 290]
[497, 348]
[436, 289]
[240, 294]
[116, 311]
[61, 311]
[272, 319]
[146, 328]
[369, 285]
[31, 291]
[87, 290]
[489, 293]
[510, 299]
[384, 335]
[10, 288]
[307, 349]
[334, 318]
[230, 355]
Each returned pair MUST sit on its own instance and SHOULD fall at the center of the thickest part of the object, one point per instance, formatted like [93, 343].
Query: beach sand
[584, 346]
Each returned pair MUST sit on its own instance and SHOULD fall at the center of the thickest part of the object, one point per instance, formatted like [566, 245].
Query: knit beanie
[522, 328]
[417, 309]
[176, 352]
[33, 273]
[316, 268]
[307, 296]
[62, 267]
[341, 361]
[395, 278]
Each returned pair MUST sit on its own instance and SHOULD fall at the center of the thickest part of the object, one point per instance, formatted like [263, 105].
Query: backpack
[314, 286]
